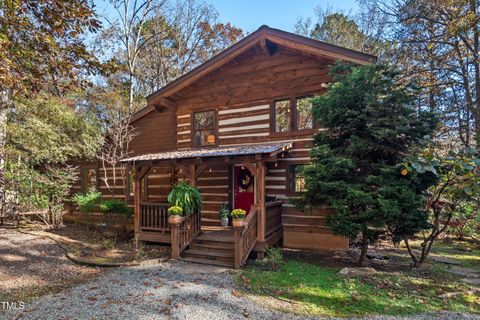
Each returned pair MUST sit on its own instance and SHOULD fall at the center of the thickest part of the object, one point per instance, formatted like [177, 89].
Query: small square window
[304, 118]
[204, 128]
[297, 181]
[282, 115]
[89, 177]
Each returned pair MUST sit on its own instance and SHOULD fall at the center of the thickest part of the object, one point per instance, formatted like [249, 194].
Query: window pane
[204, 137]
[204, 120]
[282, 115]
[298, 182]
[304, 114]
[89, 179]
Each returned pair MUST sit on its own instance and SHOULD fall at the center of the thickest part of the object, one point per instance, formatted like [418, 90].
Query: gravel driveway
[170, 290]
[175, 290]
[32, 266]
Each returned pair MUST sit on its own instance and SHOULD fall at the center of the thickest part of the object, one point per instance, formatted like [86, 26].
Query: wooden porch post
[140, 172]
[175, 238]
[192, 177]
[261, 199]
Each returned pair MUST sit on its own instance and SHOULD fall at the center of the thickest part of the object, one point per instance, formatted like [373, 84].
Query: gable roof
[260, 36]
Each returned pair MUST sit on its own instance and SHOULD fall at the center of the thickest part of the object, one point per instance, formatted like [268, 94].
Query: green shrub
[274, 254]
[116, 207]
[88, 202]
[108, 244]
[224, 211]
[187, 197]
[175, 211]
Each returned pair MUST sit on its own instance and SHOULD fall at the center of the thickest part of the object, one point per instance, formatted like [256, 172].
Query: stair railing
[245, 237]
[183, 230]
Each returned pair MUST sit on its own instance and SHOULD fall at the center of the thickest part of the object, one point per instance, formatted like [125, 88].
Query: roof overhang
[259, 37]
[266, 149]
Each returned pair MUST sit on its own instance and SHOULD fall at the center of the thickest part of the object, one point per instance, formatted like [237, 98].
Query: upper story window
[304, 117]
[293, 114]
[204, 128]
[282, 115]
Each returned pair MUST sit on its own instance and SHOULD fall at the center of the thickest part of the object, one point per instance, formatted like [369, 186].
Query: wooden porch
[225, 246]
[193, 239]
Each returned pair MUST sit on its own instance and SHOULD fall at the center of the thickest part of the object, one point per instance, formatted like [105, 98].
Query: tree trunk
[363, 254]
[131, 89]
[3, 134]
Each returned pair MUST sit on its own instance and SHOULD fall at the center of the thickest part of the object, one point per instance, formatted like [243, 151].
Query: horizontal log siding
[309, 231]
[159, 181]
[213, 184]
[255, 76]
[117, 186]
[184, 131]
[153, 133]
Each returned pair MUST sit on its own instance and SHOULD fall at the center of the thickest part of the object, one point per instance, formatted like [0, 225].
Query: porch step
[212, 254]
[212, 262]
[210, 222]
[215, 245]
[207, 245]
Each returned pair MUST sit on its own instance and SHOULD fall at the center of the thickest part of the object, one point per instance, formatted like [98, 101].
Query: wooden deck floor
[213, 233]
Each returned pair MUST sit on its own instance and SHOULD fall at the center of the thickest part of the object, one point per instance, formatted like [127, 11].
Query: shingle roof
[266, 148]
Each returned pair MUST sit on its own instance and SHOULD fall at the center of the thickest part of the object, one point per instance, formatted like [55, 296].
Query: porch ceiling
[270, 149]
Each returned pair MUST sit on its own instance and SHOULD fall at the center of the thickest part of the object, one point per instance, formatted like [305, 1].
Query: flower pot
[237, 222]
[175, 219]
[224, 221]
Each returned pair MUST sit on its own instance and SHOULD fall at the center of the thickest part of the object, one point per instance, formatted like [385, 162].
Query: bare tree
[438, 45]
[118, 136]
[192, 35]
[127, 28]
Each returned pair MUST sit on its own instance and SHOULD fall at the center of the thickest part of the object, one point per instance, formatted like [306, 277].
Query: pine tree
[371, 124]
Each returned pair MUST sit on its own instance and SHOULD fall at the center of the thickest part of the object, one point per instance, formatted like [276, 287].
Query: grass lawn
[316, 289]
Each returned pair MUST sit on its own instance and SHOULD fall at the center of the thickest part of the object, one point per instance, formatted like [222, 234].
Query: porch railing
[273, 217]
[245, 237]
[154, 217]
[184, 232]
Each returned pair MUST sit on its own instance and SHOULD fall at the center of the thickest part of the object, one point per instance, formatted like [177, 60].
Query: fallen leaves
[236, 293]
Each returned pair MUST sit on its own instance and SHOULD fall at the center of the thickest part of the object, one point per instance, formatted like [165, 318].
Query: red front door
[243, 187]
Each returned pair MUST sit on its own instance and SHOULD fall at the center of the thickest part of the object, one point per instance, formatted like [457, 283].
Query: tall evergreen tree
[371, 124]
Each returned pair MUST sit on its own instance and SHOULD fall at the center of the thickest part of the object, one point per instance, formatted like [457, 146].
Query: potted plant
[175, 214]
[238, 215]
[186, 197]
[224, 213]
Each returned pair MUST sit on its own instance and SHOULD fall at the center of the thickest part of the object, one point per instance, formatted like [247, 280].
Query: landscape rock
[356, 272]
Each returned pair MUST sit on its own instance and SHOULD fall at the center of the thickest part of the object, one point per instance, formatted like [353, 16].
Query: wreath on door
[245, 179]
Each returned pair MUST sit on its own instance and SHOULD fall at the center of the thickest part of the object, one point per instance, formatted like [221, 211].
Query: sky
[249, 15]
[280, 14]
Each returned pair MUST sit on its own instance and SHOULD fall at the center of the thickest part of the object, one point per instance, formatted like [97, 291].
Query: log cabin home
[236, 127]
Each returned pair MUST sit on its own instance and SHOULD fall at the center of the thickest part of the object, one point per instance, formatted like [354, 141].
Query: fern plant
[186, 197]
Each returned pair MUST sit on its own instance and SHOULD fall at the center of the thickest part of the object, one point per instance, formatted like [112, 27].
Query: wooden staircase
[215, 245]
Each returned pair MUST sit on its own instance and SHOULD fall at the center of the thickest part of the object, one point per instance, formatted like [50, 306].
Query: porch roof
[266, 148]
